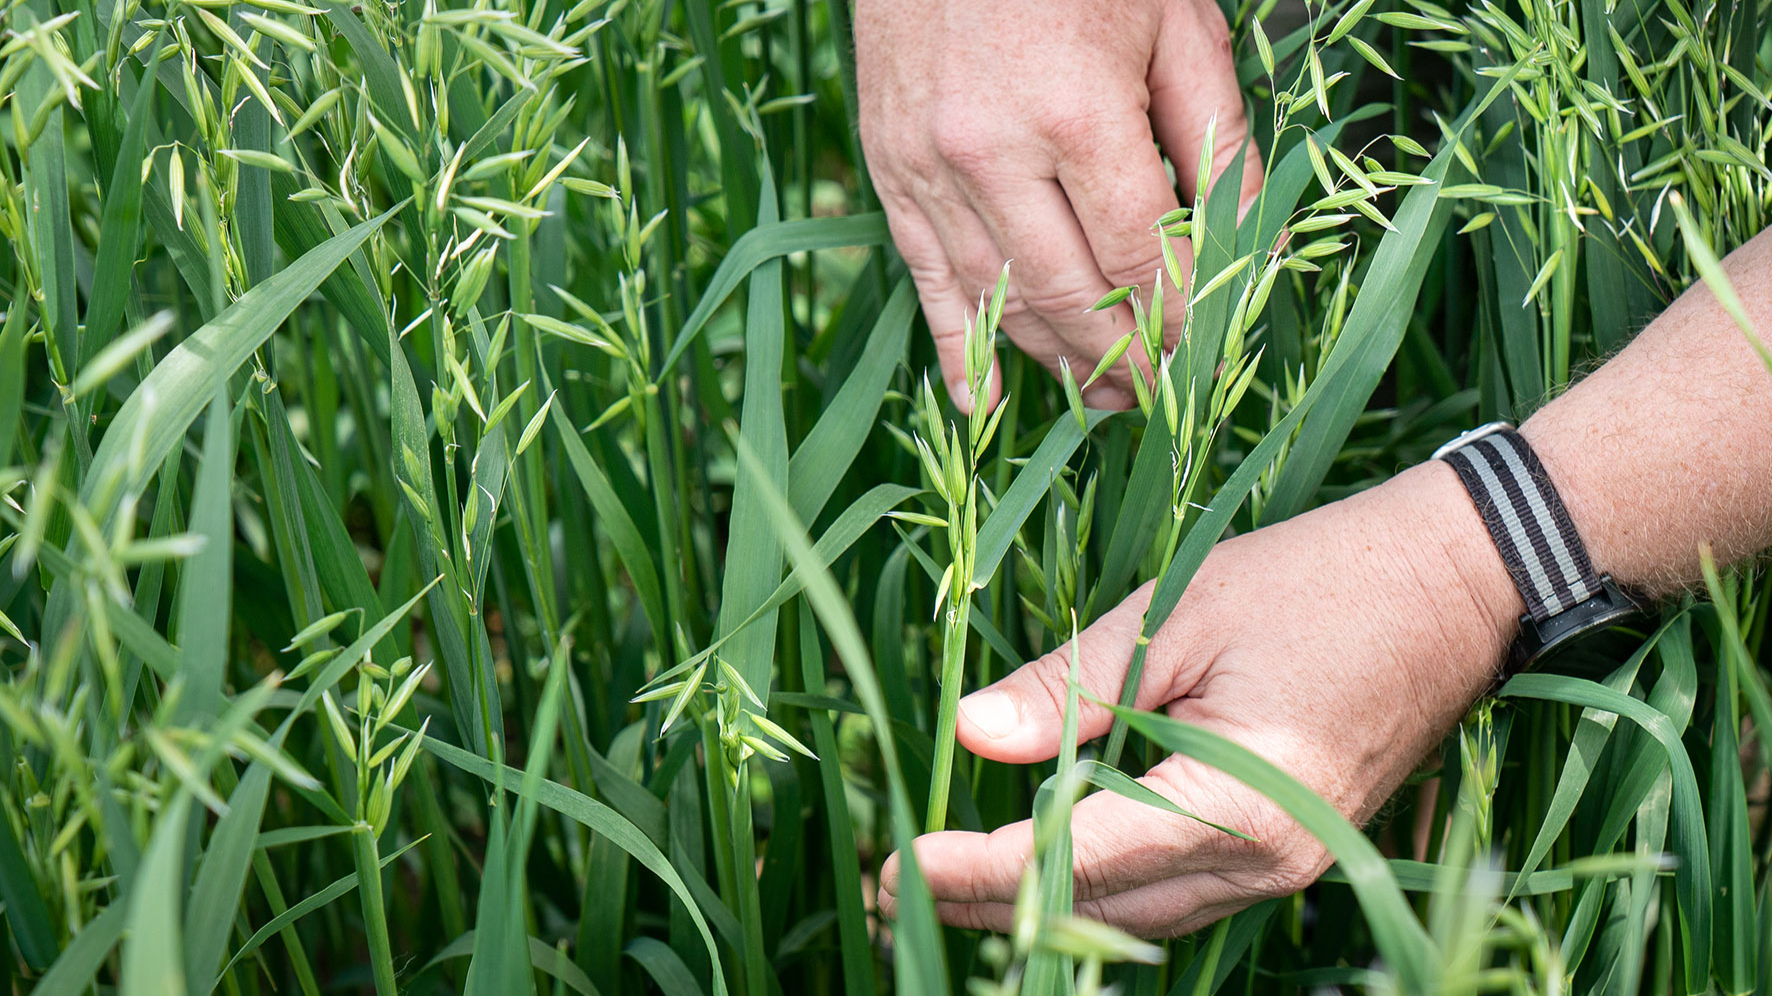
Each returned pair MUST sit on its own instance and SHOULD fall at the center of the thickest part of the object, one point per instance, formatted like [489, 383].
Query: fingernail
[992, 712]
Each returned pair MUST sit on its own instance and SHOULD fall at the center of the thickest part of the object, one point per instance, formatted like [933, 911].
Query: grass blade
[767, 242]
[1590, 739]
[153, 952]
[334, 890]
[25, 909]
[852, 926]
[73, 972]
[120, 233]
[1405, 945]
[205, 593]
[753, 558]
[168, 400]
[667, 970]
[1693, 878]
[593, 814]
[827, 452]
[920, 956]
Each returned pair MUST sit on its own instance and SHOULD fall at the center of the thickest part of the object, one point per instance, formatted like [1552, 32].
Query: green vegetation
[444, 451]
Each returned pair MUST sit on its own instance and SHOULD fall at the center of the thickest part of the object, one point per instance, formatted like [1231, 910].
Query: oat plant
[444, 450]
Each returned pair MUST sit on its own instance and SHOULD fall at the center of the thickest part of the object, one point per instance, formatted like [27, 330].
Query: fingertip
[968, 866]
[991, 714]
[889, 875]
[1108, 397]
[960, 391]
[994, 724]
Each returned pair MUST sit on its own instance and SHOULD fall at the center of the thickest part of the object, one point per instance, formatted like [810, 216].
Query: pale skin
[1024, 131]
[1343, 644]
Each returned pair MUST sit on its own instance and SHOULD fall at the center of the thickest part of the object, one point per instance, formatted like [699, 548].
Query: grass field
[472, 517]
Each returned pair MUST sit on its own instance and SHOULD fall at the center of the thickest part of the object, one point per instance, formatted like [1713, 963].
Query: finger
[1171, 908]
[1047, 275]
[1056, 277]
[1020, 719]
[1118, 187]
[1108, 395]
[928, 253]
[1192, 79]
[1117, 844]
[964, 866]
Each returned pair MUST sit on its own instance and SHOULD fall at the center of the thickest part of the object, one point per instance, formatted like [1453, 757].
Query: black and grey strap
[1564, 595]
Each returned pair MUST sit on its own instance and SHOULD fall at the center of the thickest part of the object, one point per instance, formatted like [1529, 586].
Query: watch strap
[1526, 518]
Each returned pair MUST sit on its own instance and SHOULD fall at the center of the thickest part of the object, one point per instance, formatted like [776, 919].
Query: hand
[1023, 131]
[1340, 645]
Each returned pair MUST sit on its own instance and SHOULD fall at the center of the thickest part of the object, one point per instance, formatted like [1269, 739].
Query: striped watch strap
[1526, 518]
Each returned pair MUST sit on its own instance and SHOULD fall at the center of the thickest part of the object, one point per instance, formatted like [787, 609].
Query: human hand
[1340, 645]
[1025, 131]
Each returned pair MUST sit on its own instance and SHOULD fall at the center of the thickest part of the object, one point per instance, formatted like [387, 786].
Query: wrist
[1467, 599]
[1580, 462]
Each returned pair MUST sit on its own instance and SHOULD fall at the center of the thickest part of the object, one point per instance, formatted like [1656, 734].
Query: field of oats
[472, 520]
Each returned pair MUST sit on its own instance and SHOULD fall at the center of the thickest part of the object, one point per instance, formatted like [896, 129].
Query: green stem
[750, 906]
[375, 914]
[1128, 694]
[664, 503]
[953, 666]
[532, 472]
[718, 807]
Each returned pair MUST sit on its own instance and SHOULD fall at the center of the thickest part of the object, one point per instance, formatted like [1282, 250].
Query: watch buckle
[1470, 436]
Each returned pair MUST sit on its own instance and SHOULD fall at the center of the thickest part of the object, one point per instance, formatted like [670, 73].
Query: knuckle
[959, 142]
[1065, 127]
[930, 271]
[1092, 909]
[1076, 128]
[913, 159]
[1051, 676]
[1137, 920]
[1010, 856]
[903, 166]
[1291, 864]
[881, 132]
[1087, 873]
[1056, 299]
[1111, 858]
[1125, 266]
[979, 279]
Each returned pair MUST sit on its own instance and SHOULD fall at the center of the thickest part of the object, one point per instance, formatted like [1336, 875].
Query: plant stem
[375, 915]
[667, 512]
[530, 470]
[750, 912]
[953, 666]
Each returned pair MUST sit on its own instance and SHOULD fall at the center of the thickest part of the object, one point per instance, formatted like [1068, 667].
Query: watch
[1566, 598]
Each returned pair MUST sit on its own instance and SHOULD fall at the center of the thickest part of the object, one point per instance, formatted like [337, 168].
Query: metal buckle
[1611, 605]
[1467, 438]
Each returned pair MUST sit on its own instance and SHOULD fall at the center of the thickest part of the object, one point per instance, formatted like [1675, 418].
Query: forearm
[1666, 447]
[1669, 445]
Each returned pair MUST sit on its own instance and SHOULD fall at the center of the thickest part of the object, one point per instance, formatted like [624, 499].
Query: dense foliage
[473, 517]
